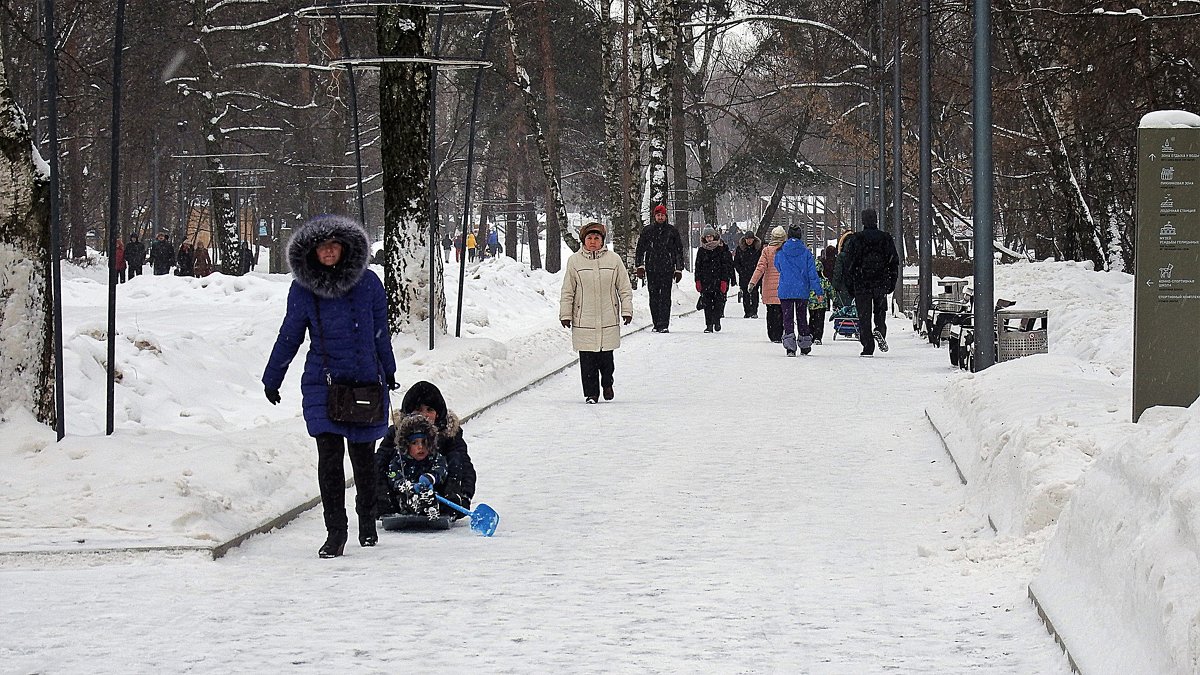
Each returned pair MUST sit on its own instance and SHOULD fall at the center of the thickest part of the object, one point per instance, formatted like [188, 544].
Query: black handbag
[352, 403]
[356, 403]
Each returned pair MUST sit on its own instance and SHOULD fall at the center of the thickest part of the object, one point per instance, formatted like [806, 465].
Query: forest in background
[232, 106]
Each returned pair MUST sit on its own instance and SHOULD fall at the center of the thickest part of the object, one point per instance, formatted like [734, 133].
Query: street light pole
[985, 328]
[114, 220]
[55, 217]
[925, 215]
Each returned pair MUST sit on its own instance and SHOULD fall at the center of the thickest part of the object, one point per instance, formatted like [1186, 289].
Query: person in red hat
[659, 259]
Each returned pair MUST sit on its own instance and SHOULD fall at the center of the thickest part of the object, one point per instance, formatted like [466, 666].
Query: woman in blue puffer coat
[342, 306]
[798, 281]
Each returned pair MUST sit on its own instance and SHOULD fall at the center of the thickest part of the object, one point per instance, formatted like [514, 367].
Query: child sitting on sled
[417, 470]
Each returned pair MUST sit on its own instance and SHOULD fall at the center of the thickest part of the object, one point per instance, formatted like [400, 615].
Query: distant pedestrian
[446, 246]
[135, 255]
[162, 254]
[493, 242]
[714, 272]
[471, 247]
[596, 299]
[246, 261]
[730, 237]
[798, 281]
[185, 260]
[659, 260]
[458, 248]
[870, 272]
[202, 266]
[119, 262]
[745, 260]
[767, 276]
[818, 306]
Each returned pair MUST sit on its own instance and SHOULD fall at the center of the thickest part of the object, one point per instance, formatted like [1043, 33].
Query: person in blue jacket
[417, 470]
[342, 306]
[798, 279]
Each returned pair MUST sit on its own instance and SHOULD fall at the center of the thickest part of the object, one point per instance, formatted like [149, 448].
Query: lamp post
[925, 210]
[55, 217]
[985, 327]
[114, 220]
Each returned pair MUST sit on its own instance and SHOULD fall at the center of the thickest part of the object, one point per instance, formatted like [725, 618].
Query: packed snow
[731, 511]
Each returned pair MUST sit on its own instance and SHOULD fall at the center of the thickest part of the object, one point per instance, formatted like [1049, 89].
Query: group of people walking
[797, 288]
[188, 260]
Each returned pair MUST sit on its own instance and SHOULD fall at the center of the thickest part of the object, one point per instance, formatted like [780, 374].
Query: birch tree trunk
[622, 234]
[26, 306]
[633, 129]
[659, 103]
[404, 90]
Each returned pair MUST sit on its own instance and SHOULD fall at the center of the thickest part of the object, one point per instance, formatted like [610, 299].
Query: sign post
[1166, 299]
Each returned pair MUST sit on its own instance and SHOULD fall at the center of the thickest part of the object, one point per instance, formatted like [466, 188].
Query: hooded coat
[595, 295]
[765, 270]
[745, 258]
[659, 250]
[797, 271]
[343, 309]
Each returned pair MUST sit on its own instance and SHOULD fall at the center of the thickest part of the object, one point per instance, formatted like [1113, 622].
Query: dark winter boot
[334, 546]
[367, 535]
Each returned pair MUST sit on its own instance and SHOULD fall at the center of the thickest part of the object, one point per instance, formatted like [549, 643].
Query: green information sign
[1166, 299]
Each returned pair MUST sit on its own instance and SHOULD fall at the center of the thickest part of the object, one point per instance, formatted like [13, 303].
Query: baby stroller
[845, 322]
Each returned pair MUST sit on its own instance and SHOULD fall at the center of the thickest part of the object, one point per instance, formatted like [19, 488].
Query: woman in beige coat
[766, 274]
[596, 299]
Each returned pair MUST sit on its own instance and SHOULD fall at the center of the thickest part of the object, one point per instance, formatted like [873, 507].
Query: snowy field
[731, 511]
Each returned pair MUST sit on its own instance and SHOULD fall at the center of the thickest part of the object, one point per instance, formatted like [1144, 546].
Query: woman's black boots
[367, 536]
[334, 546]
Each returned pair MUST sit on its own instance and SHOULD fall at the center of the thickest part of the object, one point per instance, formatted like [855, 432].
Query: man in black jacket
[869, 272]
[162, 254]
[135, 255]
[659, 260]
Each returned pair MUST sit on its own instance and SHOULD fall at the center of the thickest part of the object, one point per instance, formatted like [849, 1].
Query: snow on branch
[808, 85]
[787, 19]
[267, 99]
[247, 26]
[230, 130]
[276, 64]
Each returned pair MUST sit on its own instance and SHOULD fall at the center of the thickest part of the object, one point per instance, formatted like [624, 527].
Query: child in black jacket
[416, 470]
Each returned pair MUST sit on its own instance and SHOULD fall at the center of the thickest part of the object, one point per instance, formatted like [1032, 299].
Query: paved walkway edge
[1053, 631]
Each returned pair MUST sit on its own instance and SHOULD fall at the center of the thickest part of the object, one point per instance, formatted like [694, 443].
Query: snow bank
[1048, 451]
[1119, 577]
[198, 455]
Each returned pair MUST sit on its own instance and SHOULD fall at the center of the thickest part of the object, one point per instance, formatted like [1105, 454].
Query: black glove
[272, 395]
[627, 319]
[678, 276]
[391, 382]
[566, 323]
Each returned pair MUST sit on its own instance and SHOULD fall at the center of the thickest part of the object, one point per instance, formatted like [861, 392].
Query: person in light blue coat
[798, 279]
[342, 306]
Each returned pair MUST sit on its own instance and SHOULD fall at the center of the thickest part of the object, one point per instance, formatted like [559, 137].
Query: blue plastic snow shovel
[483, 519]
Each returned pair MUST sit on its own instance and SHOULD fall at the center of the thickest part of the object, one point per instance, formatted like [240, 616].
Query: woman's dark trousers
[596, 369]
[331, 475]
[775, 322]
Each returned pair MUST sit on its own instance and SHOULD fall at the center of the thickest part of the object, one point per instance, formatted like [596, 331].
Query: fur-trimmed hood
[449, 430]
[336, 281]
[415, 423]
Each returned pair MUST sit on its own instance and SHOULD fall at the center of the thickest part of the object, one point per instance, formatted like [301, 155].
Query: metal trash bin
[1020, 332]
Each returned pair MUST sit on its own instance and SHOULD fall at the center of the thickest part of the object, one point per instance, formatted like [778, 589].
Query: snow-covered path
[731, 511]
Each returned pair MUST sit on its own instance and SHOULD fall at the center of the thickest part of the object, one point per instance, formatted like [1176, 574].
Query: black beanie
[425, 393]
[869, 218]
